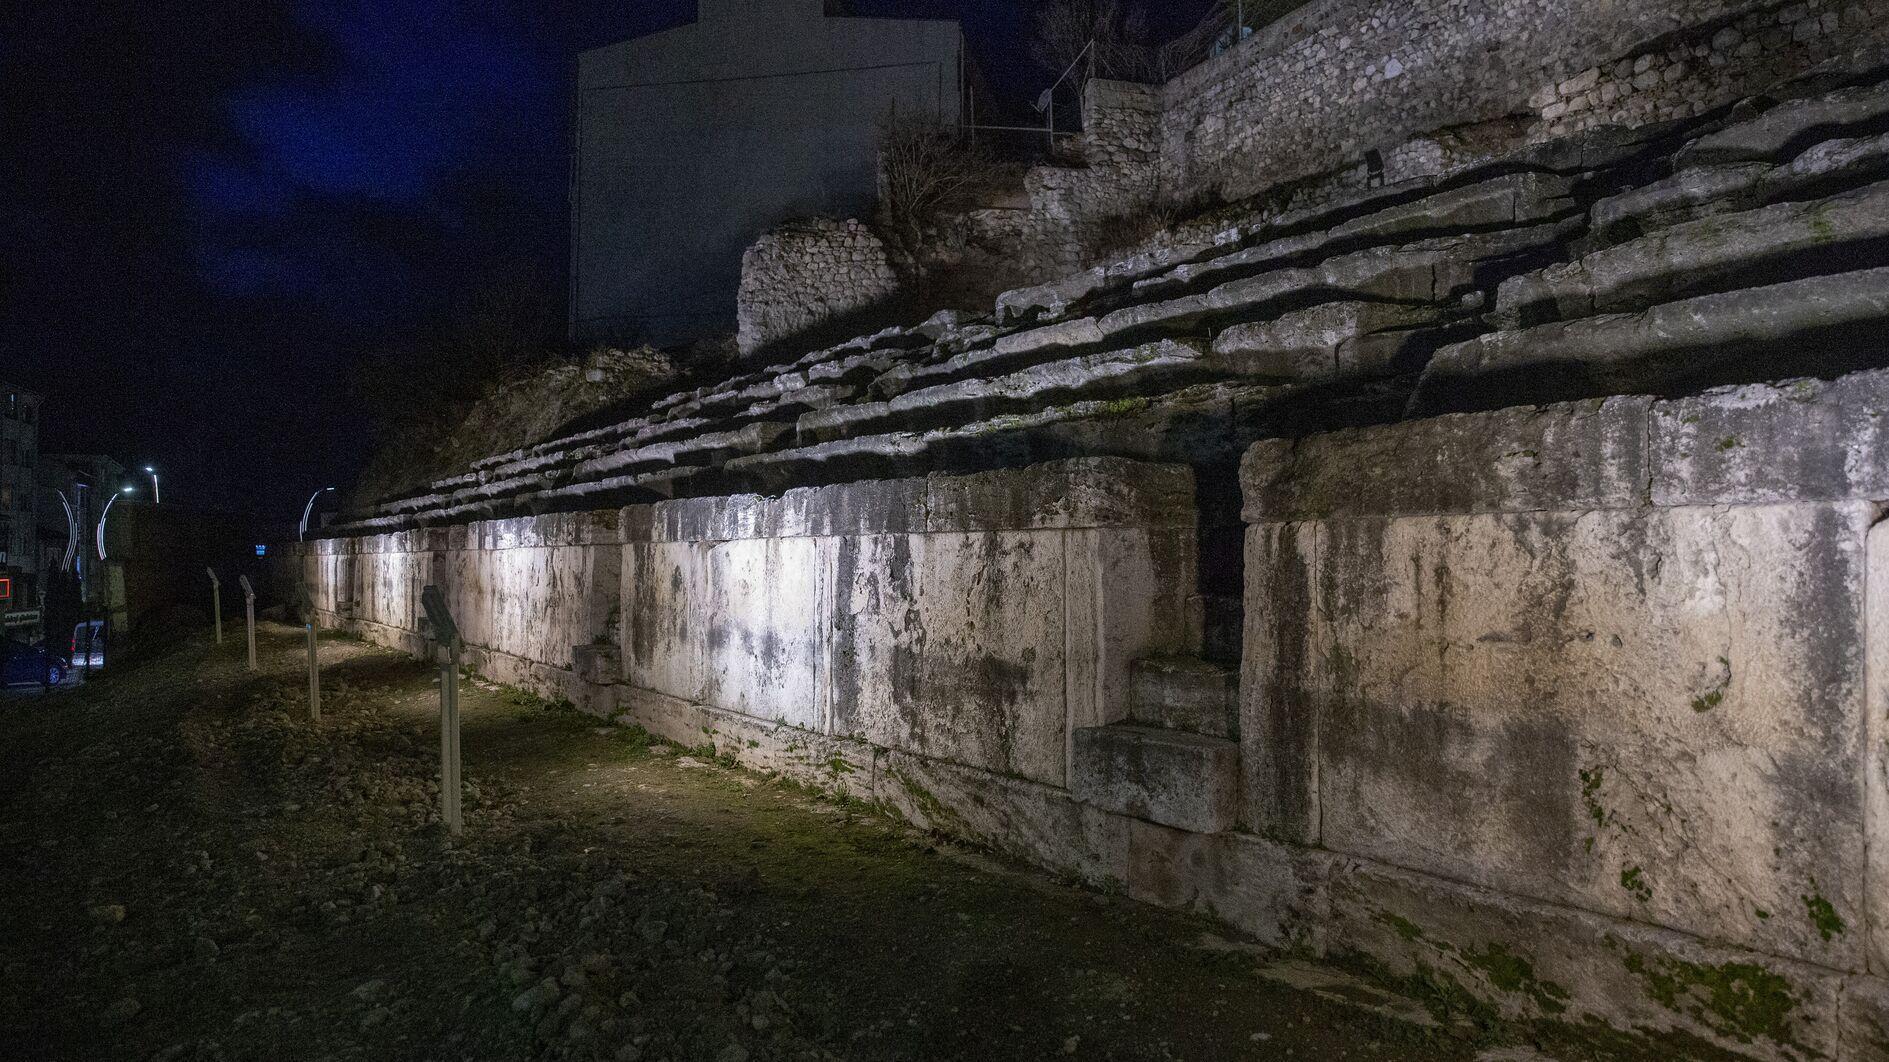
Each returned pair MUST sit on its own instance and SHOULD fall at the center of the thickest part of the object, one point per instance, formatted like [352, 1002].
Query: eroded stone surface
[1187, 781]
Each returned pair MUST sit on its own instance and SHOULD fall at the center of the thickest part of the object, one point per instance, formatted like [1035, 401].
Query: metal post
[446, 632]
[450, 766]
[249, 608]
[314, 678]
[216, 603]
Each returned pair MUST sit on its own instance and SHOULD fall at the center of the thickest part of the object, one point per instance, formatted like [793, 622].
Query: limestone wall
[976, 619]
[1610, 656]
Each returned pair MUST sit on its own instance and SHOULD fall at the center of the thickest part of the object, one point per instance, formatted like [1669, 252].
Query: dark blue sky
[214, 209]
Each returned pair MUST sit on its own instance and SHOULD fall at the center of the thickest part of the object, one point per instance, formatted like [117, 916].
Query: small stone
[734, 1052]
[371, 991]
[542, 994]
[205, 949]
[108, 914]
[123, 1011]
[1070, 1045]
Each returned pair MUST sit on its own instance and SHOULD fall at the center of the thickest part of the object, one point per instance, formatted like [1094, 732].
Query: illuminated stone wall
[1611, 657]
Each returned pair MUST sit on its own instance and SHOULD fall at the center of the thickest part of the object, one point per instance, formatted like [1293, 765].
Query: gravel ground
[194, 871]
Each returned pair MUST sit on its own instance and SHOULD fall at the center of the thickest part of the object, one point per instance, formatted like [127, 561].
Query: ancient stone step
[1334, 341]
[1187, 781]
[1153, 366]
[1707, 255]
[1504, 201]
[1773, 331]
[1708, 191]
[1789, 127]
[1186, 693]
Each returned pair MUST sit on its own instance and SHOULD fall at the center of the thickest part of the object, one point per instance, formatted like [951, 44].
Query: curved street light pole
[307, 510]
[109, 502]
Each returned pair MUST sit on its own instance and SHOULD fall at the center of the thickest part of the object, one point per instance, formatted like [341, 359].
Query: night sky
[211, 210]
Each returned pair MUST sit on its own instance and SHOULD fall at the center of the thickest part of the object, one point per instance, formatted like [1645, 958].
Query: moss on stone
[1402, 926]
[1823, 916]
[1743, 1001]
[1633, 879]
[1511, 973]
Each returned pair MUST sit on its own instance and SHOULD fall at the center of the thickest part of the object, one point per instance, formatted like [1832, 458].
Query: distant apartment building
[19, 524]
[692, 142]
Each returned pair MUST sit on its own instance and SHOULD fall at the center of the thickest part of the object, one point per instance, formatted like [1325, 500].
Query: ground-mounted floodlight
[308, 510]
[109, 502]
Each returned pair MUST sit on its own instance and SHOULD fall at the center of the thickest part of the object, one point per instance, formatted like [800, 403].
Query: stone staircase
[1176, 760]
[1749, 244]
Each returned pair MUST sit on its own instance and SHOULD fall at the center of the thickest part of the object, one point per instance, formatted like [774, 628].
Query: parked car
[30, 665]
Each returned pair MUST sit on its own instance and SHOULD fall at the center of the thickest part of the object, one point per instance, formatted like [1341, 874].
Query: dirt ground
[192, 870]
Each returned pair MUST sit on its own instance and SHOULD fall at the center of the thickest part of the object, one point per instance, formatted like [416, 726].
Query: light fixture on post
[157, 496]
[109, 502]
[309, 509]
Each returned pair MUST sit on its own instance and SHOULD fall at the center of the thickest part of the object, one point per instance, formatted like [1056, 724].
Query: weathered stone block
[1187, 693]
[1501, 699]
[1582, 455]
[600, 664]
[1086, 492]
[735, 624]
[1175, 779]
[1036, 822]
[942, 645]
[1686, 339]
[1794, 440]
[1275, 892]
[1537, 960]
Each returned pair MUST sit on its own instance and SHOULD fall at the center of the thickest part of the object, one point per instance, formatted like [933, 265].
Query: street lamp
[309, 509]
[109, 502]
[157, 496]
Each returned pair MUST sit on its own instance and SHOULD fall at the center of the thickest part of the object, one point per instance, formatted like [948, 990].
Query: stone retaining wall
[1707, 67]
[1609, 656]
[1561, 712]
[1338, 77]
[973, 619]
[807, 273]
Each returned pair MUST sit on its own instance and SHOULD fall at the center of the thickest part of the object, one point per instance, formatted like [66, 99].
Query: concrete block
[1182, 780]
